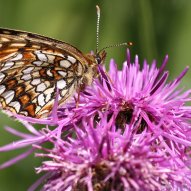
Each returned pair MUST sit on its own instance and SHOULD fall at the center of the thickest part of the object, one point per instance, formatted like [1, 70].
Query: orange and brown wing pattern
[33, 68]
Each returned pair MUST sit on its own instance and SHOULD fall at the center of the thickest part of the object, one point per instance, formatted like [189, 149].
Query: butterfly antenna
[97, 28]
[127, 44]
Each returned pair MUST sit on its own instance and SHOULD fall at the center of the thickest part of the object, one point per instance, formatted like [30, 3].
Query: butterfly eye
[98, 59]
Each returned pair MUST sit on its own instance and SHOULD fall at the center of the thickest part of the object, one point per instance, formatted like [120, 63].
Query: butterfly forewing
[33, 68]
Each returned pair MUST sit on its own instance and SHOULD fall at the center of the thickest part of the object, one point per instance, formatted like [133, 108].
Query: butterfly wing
[33, 68]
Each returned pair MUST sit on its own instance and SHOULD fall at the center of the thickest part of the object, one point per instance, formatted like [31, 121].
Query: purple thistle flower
[100, 158]
[130, 131]
[140, 99]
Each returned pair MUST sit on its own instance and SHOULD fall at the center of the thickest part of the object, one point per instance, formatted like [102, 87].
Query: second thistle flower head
[100, 158]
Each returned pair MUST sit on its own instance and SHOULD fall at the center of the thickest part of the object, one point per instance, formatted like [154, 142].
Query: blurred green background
[155, 27]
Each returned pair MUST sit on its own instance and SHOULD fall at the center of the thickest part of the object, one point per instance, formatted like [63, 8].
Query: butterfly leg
[77, 99]
[79, 90]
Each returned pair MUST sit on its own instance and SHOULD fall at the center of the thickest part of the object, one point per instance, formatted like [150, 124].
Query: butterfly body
[34, 67]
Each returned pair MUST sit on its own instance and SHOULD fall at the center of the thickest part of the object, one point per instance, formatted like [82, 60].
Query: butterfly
[34, 68]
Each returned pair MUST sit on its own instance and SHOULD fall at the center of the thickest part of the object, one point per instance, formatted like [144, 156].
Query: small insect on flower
[33, 68]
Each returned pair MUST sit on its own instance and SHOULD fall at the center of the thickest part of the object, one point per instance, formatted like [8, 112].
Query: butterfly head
[95, 59]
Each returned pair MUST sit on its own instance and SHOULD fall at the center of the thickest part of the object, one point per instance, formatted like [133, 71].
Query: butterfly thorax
[91, 67]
